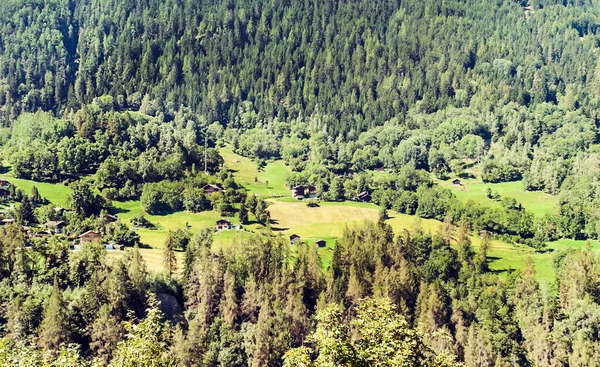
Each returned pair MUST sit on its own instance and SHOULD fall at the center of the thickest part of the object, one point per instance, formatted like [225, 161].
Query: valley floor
[326, 222]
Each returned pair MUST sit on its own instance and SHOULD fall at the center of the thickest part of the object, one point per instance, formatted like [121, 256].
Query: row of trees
[254, 306]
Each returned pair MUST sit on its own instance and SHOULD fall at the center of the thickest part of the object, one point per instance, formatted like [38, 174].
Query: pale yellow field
[152, 257]
[322, 222]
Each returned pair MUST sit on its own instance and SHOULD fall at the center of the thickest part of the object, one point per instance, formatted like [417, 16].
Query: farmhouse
[111, 218]
[321, 243]
[363, 197]
[300, 192]
[7, 221]
[4, 195]
[90, 236]
[4, 184]
[294, 239]
[223, 224]
[57, 227]
[211, 189]
[456, 182]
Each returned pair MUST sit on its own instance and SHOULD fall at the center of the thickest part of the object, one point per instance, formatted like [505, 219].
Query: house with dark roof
[294, 239]
[363, 197]
[56, 226]
[211, 189]
[300, 191]
[223, 224]
[456, 182]
[321, 243]
[4, 195]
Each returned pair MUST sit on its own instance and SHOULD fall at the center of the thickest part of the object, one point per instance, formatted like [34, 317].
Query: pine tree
[105, 333]
[55, 329]
[35, 196]
[169, 259]
[137, 270]
[25, 212]
[243, 213]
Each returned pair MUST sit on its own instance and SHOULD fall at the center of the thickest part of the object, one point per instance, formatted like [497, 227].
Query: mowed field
[326, 222]
[330, 219]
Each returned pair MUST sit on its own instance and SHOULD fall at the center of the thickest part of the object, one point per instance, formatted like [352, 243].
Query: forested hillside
[135, 104]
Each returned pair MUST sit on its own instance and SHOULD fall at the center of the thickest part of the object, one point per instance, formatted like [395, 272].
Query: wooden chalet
[90, 236]
[456, 182]
[56, 226]
[4, 184]
[321, 243]
[294, 239]
[363, 197]
[111, 218]
[211, 189]
[300, 192]
[4, 195]
[7, 221]
[223, 224]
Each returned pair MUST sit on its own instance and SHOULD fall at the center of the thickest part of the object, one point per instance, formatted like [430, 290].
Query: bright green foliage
[376, 336]
[147, 343]
[22, 354]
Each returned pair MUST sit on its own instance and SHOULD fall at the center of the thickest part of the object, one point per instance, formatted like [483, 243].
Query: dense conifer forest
[132, 101]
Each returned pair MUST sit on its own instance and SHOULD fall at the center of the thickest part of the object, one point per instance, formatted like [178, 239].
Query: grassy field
[326, 222]
[152, 257]
[539, 203]
[56, 193]
[268, 182]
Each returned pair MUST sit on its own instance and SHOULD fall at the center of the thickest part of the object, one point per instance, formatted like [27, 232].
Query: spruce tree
[35, 196]
[55, 329]
[169, 259]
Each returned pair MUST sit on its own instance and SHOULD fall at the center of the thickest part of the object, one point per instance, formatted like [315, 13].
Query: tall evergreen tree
[55, 329]
[169, 258]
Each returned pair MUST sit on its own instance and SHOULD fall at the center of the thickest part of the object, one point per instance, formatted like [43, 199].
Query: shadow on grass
[115, 211]
[500, 271]
[466, 175]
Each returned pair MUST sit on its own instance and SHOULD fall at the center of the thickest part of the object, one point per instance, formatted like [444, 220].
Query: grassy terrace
[268, 182]
[539, 203]
[326, 222]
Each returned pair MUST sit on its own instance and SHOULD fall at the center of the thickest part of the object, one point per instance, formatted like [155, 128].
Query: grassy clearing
[269, 182]
[56, 193]
[539, 203]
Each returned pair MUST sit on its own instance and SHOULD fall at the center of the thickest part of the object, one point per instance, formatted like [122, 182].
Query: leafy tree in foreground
[377, 336]
[148, 343]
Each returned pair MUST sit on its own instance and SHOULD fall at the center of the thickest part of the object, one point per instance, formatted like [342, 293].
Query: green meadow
[539, 203]
[269, 181]
[327, 222]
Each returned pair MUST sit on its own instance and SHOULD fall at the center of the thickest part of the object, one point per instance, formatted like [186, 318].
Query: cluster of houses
[301, 192]
[225, 225]
[295, 240]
